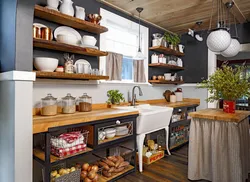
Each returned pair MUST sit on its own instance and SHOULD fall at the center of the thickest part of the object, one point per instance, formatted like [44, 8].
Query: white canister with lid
[154, 58]
[172, 98]
[164, 60]
[179, 95]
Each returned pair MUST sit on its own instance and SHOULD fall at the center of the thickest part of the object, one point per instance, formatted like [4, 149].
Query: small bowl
[95, 18]
[45, 64]
[89, 40]
[67, 39]
[110, 133]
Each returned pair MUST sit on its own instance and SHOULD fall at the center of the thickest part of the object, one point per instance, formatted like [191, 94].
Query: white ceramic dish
[64, 30]
[110, 132]
[88, 46]
[45, 64]
[89, 40]
[120, 131]
[67, 39]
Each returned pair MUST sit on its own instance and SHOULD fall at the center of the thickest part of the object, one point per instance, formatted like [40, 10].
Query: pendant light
[139, 55]
[219, 39]
[234, 47]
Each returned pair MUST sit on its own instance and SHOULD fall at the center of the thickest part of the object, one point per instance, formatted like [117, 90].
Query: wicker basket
[71, 177]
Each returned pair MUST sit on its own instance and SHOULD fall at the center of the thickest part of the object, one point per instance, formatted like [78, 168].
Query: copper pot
[46, 33]
[36, 32]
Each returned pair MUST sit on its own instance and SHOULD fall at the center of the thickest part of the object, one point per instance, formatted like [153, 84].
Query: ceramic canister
[172, 98]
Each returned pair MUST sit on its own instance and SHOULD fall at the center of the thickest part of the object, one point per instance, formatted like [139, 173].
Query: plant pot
[171, 46]
[229, 106]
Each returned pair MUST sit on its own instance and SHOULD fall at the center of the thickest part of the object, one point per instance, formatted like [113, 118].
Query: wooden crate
[153, 158]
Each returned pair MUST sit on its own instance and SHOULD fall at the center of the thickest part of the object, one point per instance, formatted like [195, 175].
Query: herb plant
[115, 97]
[172, 38]
[227, 83]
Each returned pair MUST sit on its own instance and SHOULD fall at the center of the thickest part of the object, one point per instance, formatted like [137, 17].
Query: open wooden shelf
[166, 50]
[113, 139]
[53, 45]
[169, 66]
[179, 144]
[41, 155]
[165, 82]
[63, 19]
[69, 76]
[105, 179]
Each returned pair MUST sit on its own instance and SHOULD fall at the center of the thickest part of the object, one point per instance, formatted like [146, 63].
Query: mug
[181, 48]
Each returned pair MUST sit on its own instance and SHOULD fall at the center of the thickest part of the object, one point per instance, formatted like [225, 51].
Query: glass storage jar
[85, 103]
[49, 106]
[68, 104]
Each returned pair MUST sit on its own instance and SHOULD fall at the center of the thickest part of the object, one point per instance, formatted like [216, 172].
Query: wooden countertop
[218, 114]
[186, 102]
[43, 123]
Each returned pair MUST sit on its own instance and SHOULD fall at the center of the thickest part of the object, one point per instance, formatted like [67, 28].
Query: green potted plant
[172, 39]
[114, 97]
[228, 84]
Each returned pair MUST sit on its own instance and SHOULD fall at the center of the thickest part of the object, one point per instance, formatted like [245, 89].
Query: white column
[16, 136]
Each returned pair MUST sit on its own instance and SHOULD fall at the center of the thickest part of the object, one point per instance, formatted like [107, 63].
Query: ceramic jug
[181, 48]
[53, 4]
[80, 12]
[67, 7]
[179, 62]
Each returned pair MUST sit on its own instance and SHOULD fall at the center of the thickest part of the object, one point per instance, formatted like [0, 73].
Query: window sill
[123, 82]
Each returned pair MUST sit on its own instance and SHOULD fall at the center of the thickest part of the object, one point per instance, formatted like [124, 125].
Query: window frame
[134, 27]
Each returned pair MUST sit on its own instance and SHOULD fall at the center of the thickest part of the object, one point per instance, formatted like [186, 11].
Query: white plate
[66, 31]
[88, 46]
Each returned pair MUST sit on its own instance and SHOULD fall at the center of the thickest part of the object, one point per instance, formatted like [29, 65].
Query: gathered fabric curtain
[114, 66]
[139, 71]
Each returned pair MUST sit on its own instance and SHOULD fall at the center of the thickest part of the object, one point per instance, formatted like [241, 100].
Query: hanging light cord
[211, 17]
[236, 32]
[140, 32]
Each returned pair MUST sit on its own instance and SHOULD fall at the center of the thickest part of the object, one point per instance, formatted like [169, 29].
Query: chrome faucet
[134, 95]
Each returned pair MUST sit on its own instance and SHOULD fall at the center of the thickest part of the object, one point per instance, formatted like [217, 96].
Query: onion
[84, 174]
[85, 166]
[91, 174]
[87, 180]
[95, 168]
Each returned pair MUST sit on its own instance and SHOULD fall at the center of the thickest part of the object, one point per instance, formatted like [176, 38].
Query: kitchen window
[123, 38]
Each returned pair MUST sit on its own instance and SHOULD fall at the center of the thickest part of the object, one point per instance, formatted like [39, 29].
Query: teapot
[67, 7]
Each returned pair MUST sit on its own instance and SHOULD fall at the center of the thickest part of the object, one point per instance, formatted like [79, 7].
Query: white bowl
[45, 64]
[89, 40]
[110, 132]
[67, 39]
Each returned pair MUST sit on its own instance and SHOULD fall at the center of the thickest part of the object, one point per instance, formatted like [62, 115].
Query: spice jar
[85, 103]
[49, 106]
[69, 104]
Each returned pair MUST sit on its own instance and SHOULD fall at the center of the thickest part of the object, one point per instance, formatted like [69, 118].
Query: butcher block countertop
[43, 123]
[219, 115]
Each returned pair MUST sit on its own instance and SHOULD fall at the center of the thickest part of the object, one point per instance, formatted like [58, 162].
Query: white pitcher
[67, 7]
[181, 48]
[53, 4]
[80, 12]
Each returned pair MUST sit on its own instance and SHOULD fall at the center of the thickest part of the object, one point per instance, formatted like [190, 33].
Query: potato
[72, 169]
[96, 178]
[85, 166]
[53, 173]
[91, 174]
[123, 164]
[58, 175]
[106, 174]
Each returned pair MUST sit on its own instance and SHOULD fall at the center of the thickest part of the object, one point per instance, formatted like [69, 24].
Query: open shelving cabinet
[165, 82]
[166, 50]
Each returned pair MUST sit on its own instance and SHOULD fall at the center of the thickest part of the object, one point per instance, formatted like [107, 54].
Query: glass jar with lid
[49, 106]
[85, 103]
[68, 104]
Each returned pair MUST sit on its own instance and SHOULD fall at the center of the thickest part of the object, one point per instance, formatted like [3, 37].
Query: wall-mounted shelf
[69, 76]
[166, 50]
[169, 66]
[165, 82]
[53, 45]
[60, 18]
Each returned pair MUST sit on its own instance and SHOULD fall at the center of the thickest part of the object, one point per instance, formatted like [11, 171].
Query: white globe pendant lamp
[219, 39]
[233, 49]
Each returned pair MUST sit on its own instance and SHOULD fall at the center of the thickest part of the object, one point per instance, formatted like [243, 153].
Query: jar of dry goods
[85, 103]
[68, 104]
[49, 106]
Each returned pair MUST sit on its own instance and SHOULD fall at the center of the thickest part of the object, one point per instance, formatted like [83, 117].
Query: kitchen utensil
[179, 62]
[67, 39]
[167, 94]
[89, 40]
[68, 64]
[67, 8]
[179, 95]
[110, 133]
[53, 4]
[86, 68]
[64, 30]
[39, 25]
[46, 33]
[49, 106]
[80, 12]
[36, 32]
[45, 64]
[95, 18]
[181, 48]
[69, 104]
[154, 58]
[167, 76]
[85, 103]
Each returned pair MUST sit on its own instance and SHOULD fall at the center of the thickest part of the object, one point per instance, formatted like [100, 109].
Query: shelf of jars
[165, 82]
[58, 46]
[163, 65]
[166, 50]
[63, 19]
